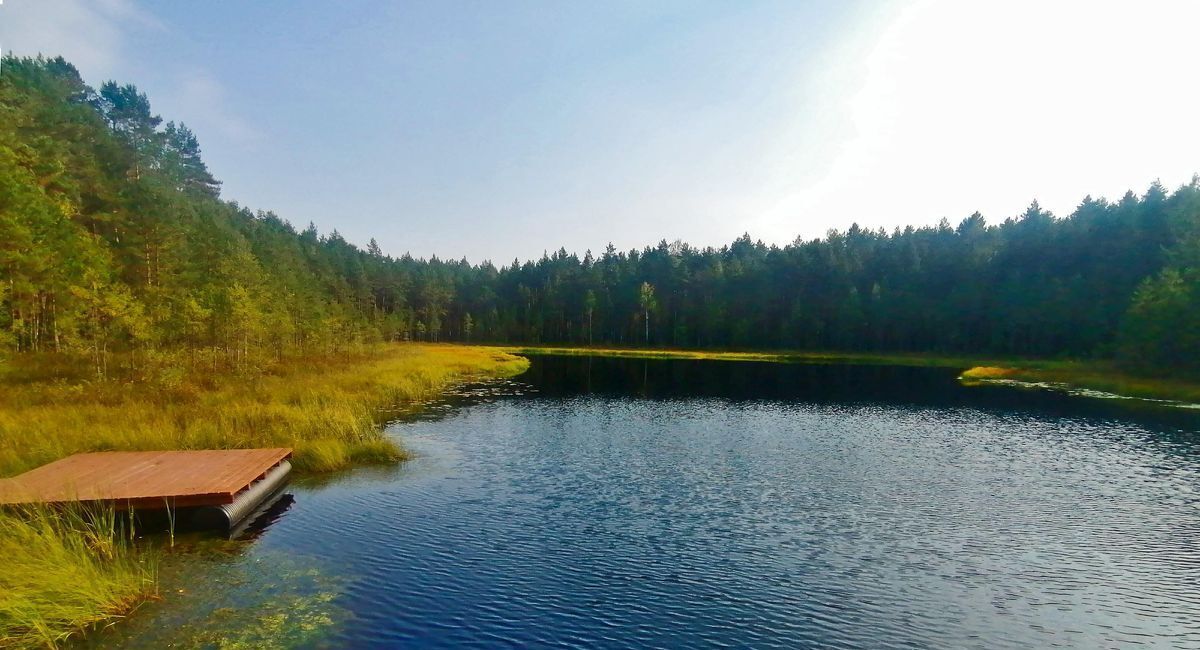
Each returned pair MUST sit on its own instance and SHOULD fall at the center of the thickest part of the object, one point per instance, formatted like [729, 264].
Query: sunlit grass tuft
[375, 452]
[986, 372]
[322, 455]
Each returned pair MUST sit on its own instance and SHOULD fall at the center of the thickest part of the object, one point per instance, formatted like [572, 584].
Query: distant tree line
[113, 237]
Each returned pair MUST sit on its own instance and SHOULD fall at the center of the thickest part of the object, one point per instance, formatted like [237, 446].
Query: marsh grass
[66, 571]
[328, 408]
[1098, 376]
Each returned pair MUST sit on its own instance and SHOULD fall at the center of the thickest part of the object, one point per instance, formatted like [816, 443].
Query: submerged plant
[226, 594]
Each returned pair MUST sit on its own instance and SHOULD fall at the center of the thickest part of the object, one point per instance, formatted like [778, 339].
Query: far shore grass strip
[1094, 375]
[922, 360]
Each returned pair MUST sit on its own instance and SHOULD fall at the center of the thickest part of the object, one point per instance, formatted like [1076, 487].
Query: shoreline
[67, 575]
[1042, 374]
[1084, 378]
[369, 381]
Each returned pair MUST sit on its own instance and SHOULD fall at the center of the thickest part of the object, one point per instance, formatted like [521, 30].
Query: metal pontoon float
[198, 488]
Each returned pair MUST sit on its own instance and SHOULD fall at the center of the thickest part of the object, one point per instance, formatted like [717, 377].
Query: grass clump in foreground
[65, 572]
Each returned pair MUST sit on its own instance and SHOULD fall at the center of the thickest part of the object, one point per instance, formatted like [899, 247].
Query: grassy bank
[64, 573]
[327, 408]
[1091, 375]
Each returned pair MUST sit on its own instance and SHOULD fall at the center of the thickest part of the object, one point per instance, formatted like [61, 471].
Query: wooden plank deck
[144, 479]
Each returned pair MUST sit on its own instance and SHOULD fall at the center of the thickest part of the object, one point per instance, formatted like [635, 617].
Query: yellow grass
[986, 372]
[328, 409]
[1098, 376]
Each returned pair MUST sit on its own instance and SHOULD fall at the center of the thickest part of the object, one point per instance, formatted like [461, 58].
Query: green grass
[1094, 375]
[64, 573]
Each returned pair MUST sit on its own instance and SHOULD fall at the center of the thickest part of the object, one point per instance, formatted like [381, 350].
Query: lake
[641, 504]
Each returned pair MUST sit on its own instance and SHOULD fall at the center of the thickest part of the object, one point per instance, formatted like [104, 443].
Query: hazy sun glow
[985, 106]
[504, 131]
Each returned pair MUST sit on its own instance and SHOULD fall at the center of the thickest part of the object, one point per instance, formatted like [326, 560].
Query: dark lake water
[677, 504]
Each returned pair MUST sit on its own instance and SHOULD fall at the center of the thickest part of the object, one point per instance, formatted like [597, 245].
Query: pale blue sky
[495, 130]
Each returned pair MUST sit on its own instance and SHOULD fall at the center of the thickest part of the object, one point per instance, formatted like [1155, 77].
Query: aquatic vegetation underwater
[228, 594]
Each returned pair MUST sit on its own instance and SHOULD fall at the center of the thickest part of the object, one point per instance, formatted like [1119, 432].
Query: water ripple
[621, 522]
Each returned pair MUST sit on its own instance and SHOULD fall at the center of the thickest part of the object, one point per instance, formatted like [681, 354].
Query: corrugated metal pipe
[230, 515]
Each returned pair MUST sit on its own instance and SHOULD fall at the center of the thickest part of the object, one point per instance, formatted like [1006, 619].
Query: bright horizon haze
[498, 131]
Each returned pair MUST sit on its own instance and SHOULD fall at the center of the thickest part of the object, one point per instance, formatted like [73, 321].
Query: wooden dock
[145, 479]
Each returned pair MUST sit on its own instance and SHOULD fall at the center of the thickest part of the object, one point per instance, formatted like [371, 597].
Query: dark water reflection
[632, 504]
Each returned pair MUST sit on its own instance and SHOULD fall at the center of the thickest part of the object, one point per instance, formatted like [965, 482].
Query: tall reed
[66, 570]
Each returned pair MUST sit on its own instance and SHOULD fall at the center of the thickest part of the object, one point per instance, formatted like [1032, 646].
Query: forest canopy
[113, 237]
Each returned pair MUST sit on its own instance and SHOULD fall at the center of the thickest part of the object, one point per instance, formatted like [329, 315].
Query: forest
[116, 243]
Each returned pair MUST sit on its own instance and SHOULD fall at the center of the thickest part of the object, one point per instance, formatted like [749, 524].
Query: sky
[500, 130]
